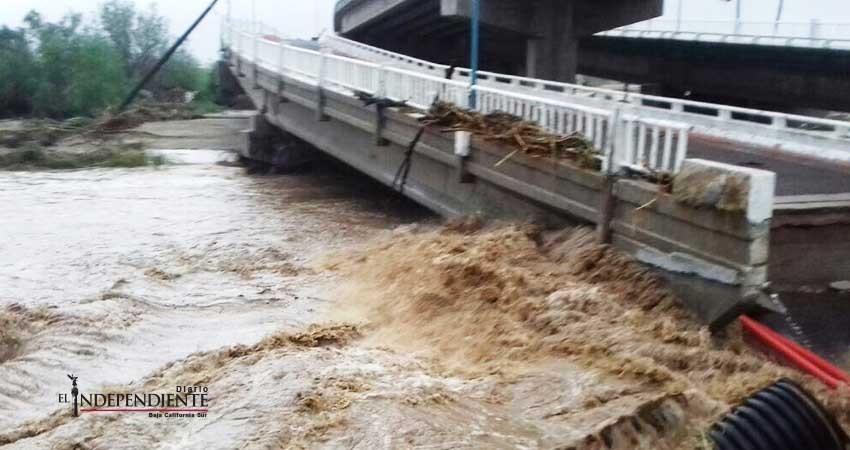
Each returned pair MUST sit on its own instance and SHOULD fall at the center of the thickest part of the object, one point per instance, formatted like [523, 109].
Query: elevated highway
[530, 37]
[780, 65]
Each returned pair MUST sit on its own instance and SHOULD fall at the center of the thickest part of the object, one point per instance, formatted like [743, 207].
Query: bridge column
[266, 144]
[553, 55]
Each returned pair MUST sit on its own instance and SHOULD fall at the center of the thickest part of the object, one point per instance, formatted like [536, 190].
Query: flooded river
[320, 311]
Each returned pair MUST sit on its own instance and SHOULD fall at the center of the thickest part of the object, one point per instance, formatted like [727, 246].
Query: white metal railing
[626, 137]
[792, 34]
[750, 126]
[352, 74]
[684, 110]
[554, 116]
[421, 91]
[659, 145]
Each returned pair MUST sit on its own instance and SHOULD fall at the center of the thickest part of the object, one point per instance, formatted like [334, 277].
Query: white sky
[305, 18]
[295, 18]
[758, 10]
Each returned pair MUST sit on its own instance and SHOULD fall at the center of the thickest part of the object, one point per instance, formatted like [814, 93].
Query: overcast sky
[757, 10]
[305, 18]
[295, 18]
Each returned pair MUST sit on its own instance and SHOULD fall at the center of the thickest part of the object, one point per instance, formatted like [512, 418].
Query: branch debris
[48, 132]
[527, 137]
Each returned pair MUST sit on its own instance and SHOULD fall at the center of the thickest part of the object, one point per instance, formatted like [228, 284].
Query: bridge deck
[796, 175]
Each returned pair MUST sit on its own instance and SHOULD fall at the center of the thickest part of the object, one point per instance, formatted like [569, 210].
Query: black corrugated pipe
[164, 59]
[780, 417]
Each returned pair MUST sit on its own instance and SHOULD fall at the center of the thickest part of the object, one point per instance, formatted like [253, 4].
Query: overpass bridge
[781, 65]
[533, 37]
[708, 235]
[812, 35]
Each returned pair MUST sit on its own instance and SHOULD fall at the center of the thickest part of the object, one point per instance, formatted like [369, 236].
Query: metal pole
[164, 59]
[473, 79]
[679, 16]
[778, 17]
[255, 28]
[737, 16]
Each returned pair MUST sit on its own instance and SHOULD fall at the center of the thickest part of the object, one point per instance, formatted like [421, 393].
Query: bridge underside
[758, 76]
[533, 37]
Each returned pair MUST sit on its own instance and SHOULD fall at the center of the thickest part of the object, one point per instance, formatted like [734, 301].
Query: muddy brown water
[198, 273]
[118, 276]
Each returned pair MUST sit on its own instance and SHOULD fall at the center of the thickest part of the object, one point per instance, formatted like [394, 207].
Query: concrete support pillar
[531, 58]
[554, 56]
[228, 85]
[266, 144]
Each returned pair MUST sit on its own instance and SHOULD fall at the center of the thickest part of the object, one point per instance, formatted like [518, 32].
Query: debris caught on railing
[370, 99]
[515, 132]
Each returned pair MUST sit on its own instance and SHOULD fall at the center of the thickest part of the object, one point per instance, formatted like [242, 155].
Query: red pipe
[778, 344]
[813, 358]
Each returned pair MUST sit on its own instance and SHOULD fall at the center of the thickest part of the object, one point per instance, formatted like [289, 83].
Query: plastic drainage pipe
[800, 357]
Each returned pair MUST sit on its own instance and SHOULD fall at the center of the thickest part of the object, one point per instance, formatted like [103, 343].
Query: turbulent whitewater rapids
[318, 316]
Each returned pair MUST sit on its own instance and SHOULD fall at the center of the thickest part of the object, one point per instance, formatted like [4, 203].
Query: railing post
[814, 29]
[380, 117]
[613, 145]
[382, 82]
[281, 78]
[841, 132]
[320, 94]
[682, 149]
[256, 61]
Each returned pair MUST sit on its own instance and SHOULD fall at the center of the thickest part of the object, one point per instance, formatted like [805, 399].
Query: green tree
[18, 73]
[55, 55]
[98, 78]
[56, 69]
[117, 19]
[182, 71]
[150, 41]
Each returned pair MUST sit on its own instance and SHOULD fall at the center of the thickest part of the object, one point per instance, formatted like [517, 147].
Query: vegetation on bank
[80, 66]
[32, 157]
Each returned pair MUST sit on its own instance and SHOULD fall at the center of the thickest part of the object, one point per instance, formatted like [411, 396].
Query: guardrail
[636, 142]
[814, 34]
[806, 134]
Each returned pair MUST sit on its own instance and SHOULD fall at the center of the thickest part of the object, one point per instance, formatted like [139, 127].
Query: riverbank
[116, 141]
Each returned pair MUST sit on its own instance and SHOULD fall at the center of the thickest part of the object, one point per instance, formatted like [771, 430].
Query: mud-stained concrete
[322, 312]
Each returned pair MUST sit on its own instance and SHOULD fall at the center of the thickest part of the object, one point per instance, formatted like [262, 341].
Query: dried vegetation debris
[706, 187]
[49, 132]
[524, 136]
[143, 113]
[83, 142]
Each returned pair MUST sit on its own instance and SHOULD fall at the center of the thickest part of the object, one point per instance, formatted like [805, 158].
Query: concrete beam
[364, 12]
[554, 55]
[593, 16]
[506, 14]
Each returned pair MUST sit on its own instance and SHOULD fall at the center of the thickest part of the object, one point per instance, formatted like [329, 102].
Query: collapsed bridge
[708, 235]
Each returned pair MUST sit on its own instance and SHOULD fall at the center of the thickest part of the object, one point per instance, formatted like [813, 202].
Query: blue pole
[473, 79]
